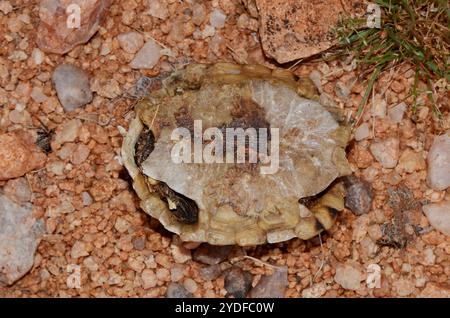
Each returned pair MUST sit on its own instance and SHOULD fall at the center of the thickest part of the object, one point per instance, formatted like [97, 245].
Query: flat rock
[439, 163]
[386, 152]
[19, 154]
[211, 255]
[130, 42]
[362, 132]
[295, 29]
[148, 56]
[438, 214]
[20, 234]
[348, 276]
[396, 113]
[68, 132]
[158, 9]
[72, 86]
[58, 31]
[271, 286]
[411, 161]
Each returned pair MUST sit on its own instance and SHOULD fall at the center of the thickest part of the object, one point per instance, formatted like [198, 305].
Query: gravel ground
[93, 225]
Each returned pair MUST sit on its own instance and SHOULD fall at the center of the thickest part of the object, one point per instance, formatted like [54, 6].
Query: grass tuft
[412, 31]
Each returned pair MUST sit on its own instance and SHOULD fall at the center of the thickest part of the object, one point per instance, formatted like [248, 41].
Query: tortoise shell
[198, 194]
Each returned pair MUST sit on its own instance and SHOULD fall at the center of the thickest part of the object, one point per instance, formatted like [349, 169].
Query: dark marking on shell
[186, 211]
[144, 146]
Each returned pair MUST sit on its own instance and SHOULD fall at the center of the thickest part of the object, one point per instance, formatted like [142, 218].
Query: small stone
[56, 167]
[5, 7]
[106, 47]
[37, 95]
[80, 154]
[175, 290]
[359, 195]
[210, 272]
[190, 285]
[18, 190]
[180, 254]
[163, 274]
[439, 163]
[360, 228]
[368, 247]
[316, 77]
[316, 291]
[438, 214]
[130, 42]
[396, 113]
[429, 256]
[72, 86]
[411, 161]
[198, 13]
[38, 56]
[211, 255]
[342, 90]
[18, 55]
[78, 250]
[121, 225]
[362, 132]
[90, 264]
[208, 31]
[136, 263]
[386, 152]
[238, 282]
[379, 107]
[147, 57]
[86, 198]
[139, 242]
[397, 87]
[348, 277]
[177, 31]
[20, 234]
[403, 287]
[218, 19]
[149, 278]
[19, 154]
[176, 273]
[68, 132]
[158, 9]
[271, 286]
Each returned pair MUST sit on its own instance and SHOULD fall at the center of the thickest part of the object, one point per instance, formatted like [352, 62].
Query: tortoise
[235, 202]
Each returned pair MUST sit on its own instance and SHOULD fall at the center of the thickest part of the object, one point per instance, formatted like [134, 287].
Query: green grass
[413, 31]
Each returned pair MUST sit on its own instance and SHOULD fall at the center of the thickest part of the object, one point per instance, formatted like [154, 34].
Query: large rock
[20, 234]
[72, 86]
[439, 163]
[295, 29]
[19, 154]
[438, 214]
[58, 34]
